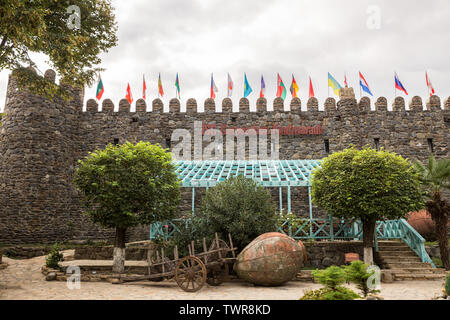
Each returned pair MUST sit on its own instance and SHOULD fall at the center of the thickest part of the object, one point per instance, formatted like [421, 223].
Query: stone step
[390, 243]
[419, 270]
[397, 253]
[417, 276]
[407, 265]
[394, 248]
[400, 259]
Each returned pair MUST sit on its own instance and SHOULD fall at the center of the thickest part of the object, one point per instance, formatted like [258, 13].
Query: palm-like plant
[435, 178]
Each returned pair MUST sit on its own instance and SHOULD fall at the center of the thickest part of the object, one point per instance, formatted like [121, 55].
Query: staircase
[404, 263]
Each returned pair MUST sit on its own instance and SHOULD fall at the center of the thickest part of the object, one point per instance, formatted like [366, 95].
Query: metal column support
[310, 212]
[289, 198]
[193, 200]
[281, 200]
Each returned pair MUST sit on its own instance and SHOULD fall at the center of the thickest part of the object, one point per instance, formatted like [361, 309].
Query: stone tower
[38, 150]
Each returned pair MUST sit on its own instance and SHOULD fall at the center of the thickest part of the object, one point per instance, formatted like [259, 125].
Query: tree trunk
[439, 209]
[368, 232]
[119, 251]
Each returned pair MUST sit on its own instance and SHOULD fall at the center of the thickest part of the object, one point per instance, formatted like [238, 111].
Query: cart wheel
[190, 274]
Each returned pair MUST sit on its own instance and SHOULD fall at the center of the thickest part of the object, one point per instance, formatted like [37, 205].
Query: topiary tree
[358, 274]
[238, 206]
[126, 185]
[435, 178]
[369, 185]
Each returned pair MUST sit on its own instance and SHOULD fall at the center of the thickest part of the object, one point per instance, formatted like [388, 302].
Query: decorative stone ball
[271, 259]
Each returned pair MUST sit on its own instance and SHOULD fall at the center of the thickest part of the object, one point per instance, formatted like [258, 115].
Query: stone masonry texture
[42, 140]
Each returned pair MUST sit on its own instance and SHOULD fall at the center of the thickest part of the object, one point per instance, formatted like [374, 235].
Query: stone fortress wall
[41, 141]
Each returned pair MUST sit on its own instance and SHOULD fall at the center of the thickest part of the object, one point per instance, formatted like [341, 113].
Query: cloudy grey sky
[303, 37]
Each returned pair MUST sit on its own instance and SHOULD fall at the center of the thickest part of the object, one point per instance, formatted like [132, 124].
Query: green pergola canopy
[269, 173]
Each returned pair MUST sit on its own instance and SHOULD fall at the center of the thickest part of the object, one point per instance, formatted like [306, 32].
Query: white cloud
[195, 38]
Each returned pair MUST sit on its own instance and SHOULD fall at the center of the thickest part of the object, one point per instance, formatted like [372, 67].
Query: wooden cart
[190, 272]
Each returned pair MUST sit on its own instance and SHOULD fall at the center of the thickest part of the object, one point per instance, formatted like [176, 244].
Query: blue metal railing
[325, 229]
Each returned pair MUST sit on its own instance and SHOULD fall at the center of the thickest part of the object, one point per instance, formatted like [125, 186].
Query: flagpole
[328, 85]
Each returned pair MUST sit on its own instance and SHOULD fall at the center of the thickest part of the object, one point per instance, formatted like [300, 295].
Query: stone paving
[22, 279]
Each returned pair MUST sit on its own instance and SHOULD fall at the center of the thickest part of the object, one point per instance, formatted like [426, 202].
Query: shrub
[292, 221]
[54, 257]
[447, 285]
[340, 293]
[238, 206]
[357, 273]
[332, 278]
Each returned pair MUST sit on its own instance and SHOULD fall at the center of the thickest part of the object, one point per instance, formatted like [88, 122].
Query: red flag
[311, 89]
[129, 96]
[345, 80]
[144, 88]
[429, 85]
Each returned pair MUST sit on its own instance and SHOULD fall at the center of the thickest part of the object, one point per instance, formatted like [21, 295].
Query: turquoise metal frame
[326, 229]
[268, 173]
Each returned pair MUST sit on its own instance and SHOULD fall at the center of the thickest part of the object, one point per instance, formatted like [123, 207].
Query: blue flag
[364, 85]
[247, 88]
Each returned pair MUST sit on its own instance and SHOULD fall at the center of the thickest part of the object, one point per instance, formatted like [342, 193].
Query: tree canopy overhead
[71, 33]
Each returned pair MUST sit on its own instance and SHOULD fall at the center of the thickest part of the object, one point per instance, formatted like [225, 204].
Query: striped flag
[263, 87]
[144, 88]
[399, 85]
[100, 89]
[333, 84]
[429, 85]
[160, 87]
[364, 85]
[129, 96]
[177, 86]
[230, 86]
[311, 89]
[213, 88]
[281, 89]
[294, 88]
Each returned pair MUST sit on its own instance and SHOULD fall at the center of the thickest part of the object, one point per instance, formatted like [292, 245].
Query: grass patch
[434, 243]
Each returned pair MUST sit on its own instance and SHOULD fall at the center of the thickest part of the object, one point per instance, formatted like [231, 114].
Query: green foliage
[238, 206]
[331, 277]
[357, 273]
[291, 221]
[340, 293]
[42, 26]
[447, 285]
[126, 185]
[435, 176]
[367, 184]
[54, 257]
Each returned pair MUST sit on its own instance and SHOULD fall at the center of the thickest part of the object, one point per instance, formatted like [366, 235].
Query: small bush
[447, 285]
[238, 206]
[291, 221]
[332, 278]
[340, 293]
[357, 273]
[54, 257]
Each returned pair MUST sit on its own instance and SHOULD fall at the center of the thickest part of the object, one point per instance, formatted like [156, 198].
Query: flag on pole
[160, 87]
[399, 85]
[144, 88]
[345, 80]
[311, 89]
[263, 87]
[177, 86]
[281, 89]
[333, 84]
[429, 85]
[247, 88]
[100, 89]
[129, 96]
[294, 88]
[364, 85]
[213, 88]
[230, 86]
